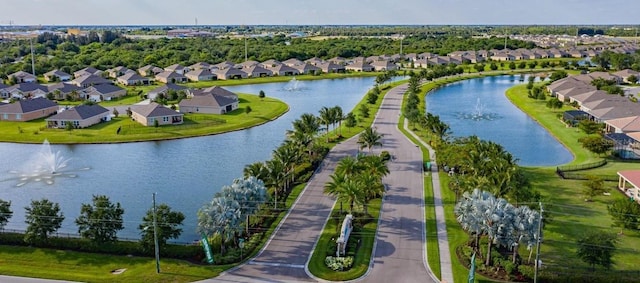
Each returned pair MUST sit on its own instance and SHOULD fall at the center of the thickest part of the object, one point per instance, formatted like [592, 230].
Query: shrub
[526, 270]
[385, 155]
[339, 263]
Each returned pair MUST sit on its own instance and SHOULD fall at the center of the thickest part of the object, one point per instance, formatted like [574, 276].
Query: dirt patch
[118, 271]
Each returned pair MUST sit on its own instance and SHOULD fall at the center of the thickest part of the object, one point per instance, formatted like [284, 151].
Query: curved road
[400, 242]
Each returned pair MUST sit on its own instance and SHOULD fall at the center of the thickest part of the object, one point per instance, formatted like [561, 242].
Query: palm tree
[348, 166]
[276, 178]
[256, 169]
[375, 165]
[307, 123]
[289, 155]
[335, 186]
[338, 116]
[371, 188]
[326, 117]
[369, 138]
[352, 192]
[221, 216]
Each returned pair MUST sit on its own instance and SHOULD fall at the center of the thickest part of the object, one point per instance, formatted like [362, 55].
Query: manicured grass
[194, 125]
[363, 256]
[76, 266]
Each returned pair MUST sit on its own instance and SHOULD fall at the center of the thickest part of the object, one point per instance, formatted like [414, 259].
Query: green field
[194, 125]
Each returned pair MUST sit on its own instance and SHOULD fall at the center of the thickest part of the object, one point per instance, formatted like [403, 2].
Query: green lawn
[194, 125]
[83, 267]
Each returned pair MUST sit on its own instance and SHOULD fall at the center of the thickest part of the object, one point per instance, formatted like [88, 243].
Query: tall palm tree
[371, 188]
[369, 138]
[326, 117]
[375, 165]
[335, 186]
[338, 116]
[348, 166]
[289, 155]
[276, 178]
[256, 169]
[307, 123]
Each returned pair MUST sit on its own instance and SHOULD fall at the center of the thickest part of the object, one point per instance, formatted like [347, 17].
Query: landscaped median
[263, 111]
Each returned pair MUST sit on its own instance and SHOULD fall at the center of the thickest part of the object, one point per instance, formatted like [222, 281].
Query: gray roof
[169, 75]
[22, 74]
[104, 89]
[57, 73]
[167, 87]
[91, 79]
[28, 105]
[200, 72]
[132, 77]
[154, 110]
[63, 87]
[256, 69]
[25, 87]
[79, 112]
[2, 86]
[230, 71]
[208, 99]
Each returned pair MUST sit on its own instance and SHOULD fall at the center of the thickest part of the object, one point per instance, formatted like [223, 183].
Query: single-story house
[331, 67]
[307, 68]
[165, 89]
[118, 71]
[57, 75]
[90, 80]
[210, 103]
[247, 64]
[314, 61]
[626, 73]
[629, 183]
[359, 66]
[99, 93]
[284, 70]
[150, 71]
[22, 77]
[27, 90]
[271, 64]
[292, 62]
[230, 73]
[3, 91]
[87, 71]
[256, 71]
[171, 77]
[223, 65]
[200, 66]
[384, 65]
[148, 114]
[63, 90]
[132, 78]
[623, 125]
[177, 68]
[200, 75]
[28, 109]
[81, 116]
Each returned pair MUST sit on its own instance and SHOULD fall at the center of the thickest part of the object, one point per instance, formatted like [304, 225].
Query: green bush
[526, 271]
[385, 155]
[339, 263]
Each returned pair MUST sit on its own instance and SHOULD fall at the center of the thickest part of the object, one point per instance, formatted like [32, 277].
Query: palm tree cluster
[485, 165]
[229, 210]
[331, 117]
[482, 214]
[357, 180]
[369, 138]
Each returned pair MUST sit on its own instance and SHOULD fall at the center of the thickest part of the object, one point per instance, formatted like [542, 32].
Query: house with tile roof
[230, 74]
[284, 70]
[626, 73]
[164, 90]
[359, 66]
[213, 100]
[331, 67]
[171, 77]
[256, 71]
[105, 92]
[90, 80]
[63, 90]
[292, 62]
[177, 68]
[132, 78]
[27, 90]
[383, 65]
[87, 71]
[57, 76]
[148, 114]
[81, 116]
[623, 125]
[307, 68]
[28, 109]
[150, 71]
[200, 75]
[22, 77]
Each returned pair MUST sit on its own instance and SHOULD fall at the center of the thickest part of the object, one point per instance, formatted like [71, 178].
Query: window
[151, 120]
[165, 119]
[5, 116]
[18, 116]
[76, 124]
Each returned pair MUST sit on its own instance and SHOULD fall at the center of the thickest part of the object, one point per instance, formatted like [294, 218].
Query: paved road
[400, 242]
[400, 245]
[284, 258]
[15, 279]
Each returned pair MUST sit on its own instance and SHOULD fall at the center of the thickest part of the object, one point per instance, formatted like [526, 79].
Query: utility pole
[245, 48]
[401, 38]
[155, 233]
[33, 66]
[537, 263]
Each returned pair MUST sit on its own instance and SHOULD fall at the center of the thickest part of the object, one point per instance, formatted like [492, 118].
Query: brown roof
[626, 124]
[632, 176]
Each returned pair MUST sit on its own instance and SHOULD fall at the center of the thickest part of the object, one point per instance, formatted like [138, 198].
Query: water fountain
[45, 167]
[479, 113]
[294, 85]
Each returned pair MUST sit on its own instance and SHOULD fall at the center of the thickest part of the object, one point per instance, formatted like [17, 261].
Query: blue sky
[319, 12]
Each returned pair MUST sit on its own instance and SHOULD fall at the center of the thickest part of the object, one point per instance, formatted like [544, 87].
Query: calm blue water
[479, 107]
[185, 173]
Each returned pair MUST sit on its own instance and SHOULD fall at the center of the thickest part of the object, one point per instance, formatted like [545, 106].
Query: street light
[241, 244]
[155, 233]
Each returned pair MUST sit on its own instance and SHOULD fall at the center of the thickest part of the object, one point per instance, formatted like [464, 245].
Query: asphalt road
[400, 243]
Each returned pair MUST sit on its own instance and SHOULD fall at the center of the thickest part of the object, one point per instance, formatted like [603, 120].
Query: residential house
[118, 71]
[22, 77]
[623, 125]
[3, 91]
[81, 116]
[200, 66]
[629, 183]
[177, 68]
[57, 76]
[271, 64]
[89, 80]
[307, 68]
[223, 65]
[132, 78]
[27, 90]
[626, 73]
[292, 62]
[503, 56]
[200, 75]
[314, 61]
[150, 71]
[104, 92]
[331, 67]
[246, 64]
[164, 90]
[359, 66]
[171, 77]
[148, 114]
[256, 71]
[61, 91]
[87, 71]
[284, 70]
[230, 73]
[384, 65]
[338, 60]
[28, 109]
[213, 100]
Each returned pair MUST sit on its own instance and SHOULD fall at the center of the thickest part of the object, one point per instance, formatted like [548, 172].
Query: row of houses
[620, 114]
[94, 90]
[213, 100]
